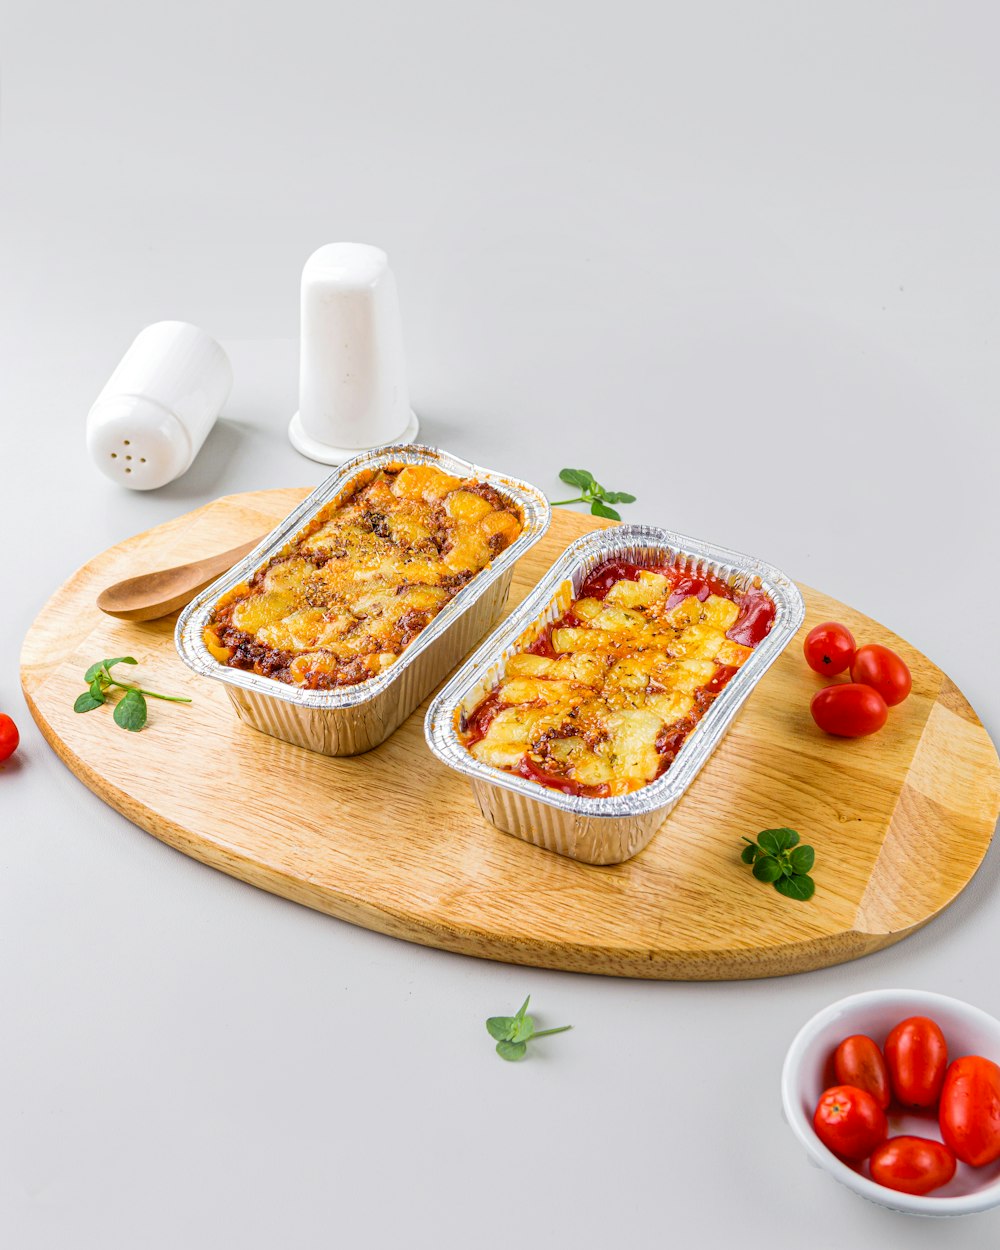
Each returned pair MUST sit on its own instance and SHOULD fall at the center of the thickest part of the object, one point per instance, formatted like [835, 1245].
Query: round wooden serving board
[393, 840]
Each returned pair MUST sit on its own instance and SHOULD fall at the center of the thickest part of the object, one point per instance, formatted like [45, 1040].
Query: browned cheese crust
[341, 602]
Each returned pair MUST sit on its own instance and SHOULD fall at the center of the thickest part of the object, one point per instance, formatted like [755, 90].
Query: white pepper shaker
[157, 408]
[352, 378]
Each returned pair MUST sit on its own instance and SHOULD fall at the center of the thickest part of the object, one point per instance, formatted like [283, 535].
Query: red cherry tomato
[970, 1110]
[917, 1056]
[913, 1165]
[829, 649]
[850, 1122]
[883, 670]
[858, 1061]
[849, 710]
[9, 737]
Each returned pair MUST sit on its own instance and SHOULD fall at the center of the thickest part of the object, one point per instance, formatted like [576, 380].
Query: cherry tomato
[970, 1110]
[917, 1055]
[883, 670]
[858, 1061]
[849, 710]
[913, 1165]
[9, 737]
[850, 1122]
[829, 649]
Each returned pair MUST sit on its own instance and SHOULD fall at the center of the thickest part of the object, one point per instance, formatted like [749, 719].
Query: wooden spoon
[152, 595]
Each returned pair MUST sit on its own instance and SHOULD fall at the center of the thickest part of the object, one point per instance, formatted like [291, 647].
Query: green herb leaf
[767, 868]
[512, 1033]
[778, 860]
[130, 711]
[798, 886]
[592, 492]
[774, 841]
[577, 477]
[512, 1050]
[104, 665]
[524, 1030]
[86, 702]
[501, 1028]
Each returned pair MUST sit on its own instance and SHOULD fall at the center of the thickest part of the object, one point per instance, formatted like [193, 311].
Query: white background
[740, 259]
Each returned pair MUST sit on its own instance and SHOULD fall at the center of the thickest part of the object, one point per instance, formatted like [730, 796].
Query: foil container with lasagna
[598, 829]
[349, 705]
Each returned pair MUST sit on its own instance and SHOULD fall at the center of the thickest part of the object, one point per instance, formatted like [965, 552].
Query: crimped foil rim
[193, 619]
[439, 724]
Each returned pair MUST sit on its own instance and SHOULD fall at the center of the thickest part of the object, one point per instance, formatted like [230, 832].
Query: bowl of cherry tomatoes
[896, 1093]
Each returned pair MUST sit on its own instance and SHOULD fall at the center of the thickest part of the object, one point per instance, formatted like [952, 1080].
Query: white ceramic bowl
[967, 1030]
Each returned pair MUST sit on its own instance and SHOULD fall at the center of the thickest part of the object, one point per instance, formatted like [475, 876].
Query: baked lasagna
[343, 600]
[603, 699]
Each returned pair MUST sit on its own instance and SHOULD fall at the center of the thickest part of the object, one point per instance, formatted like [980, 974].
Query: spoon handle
[149, 596]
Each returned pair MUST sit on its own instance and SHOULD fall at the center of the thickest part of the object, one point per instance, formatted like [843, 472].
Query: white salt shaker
[150, 421]
[352, 379]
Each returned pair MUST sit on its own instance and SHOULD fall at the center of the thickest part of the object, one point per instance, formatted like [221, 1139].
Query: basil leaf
[94, 669]
[599, 509]
[618, 496]
[774, 841]
[524, 1030]
[749, 854]
[577, 477]
[798, 886]
[512, 1050]
[86, 702]
[501, 1027]
[767, 868]
[130, 712]
[802, 859]
[94, 672]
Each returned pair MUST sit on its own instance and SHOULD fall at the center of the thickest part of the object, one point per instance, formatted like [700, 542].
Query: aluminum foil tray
[352, 719]
[609, 830]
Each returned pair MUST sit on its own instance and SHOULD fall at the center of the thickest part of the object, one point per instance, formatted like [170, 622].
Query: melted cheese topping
[341, 602]
[627, 679]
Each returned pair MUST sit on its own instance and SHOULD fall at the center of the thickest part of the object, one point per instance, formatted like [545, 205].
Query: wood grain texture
[393, 840]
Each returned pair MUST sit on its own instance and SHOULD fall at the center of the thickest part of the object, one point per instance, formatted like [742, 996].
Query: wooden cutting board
[393, 840]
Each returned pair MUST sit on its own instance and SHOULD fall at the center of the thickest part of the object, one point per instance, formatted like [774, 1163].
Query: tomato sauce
[755, 619]
[477, 724]
[671, 739]
[543, 645]
[526, 767]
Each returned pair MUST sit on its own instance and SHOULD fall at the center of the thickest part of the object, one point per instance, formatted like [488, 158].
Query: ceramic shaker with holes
[151, 419]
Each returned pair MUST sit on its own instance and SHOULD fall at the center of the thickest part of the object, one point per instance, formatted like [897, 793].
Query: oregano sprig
[130, 710]
[513, 1033]
[779, 860]
[592, 492]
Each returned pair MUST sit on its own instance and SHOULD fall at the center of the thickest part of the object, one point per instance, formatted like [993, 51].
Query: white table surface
[739, 259]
